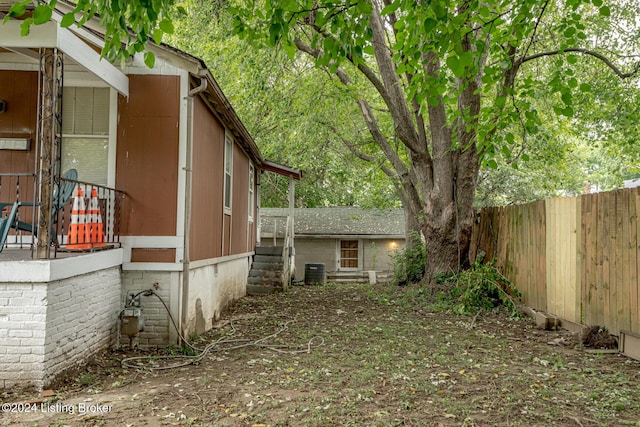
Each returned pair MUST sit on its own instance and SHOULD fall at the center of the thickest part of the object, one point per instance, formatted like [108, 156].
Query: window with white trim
[251, 191]
[228, 171]
[85, 132]
[349, 254]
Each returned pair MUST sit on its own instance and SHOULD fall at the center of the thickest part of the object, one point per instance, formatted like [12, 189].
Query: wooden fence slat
[614, 263]
[587, 253]
[635, 251]
[596, 265]
[542, 263]
[502, 236]
[507, 227]
[551, 257]
[591, 263]
[599, 289]
[576, 237]
[566, 270]
[623, 287]
[495, 234]
[606, 243]
[520, 271]
[529, 254]
[572, 259]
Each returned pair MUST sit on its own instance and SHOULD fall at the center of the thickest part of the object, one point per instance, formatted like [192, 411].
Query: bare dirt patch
[351, 355]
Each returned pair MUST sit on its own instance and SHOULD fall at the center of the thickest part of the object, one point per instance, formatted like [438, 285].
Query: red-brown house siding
[207, 184]
[240, 201]
[147, 155]
[153, 255]
[226, 235]
[20, 90]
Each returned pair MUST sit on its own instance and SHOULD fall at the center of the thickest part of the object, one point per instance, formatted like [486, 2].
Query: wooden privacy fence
[577, 258]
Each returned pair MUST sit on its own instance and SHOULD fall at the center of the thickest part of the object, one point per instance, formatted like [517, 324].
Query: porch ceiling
[51, 35]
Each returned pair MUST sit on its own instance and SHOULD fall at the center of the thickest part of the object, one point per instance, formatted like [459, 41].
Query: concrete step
[268, 265]
[267, 258]
[267, 274]
[269, 250]
[259, 280]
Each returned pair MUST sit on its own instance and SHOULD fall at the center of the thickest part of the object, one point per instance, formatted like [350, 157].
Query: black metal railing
[91, 219]
[85, 217]
[21, 189]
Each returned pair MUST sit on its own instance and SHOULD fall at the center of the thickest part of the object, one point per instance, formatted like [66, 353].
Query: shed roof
[339, 221]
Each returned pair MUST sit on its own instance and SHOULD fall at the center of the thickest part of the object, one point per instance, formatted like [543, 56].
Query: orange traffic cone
[77, 236]
[94, 227]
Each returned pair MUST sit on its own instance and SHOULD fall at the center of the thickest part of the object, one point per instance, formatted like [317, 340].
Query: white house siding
[46, 328]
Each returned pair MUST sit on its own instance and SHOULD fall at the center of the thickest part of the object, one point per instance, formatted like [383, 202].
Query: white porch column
[292, 195]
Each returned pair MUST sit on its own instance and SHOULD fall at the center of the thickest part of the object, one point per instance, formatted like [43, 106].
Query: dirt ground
[348, 355]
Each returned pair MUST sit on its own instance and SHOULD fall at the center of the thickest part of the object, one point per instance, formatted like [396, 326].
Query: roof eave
[274, 167]
[301, 235]
[196, 67]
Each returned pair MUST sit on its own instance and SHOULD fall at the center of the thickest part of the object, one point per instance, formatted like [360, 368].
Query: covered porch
[60, 251]
[57, 144]
[84, 217]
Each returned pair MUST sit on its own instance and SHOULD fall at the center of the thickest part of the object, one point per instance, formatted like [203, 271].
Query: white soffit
[50, 35]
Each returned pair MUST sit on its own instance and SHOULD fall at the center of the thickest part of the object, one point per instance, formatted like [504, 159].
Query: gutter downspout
[188, 168]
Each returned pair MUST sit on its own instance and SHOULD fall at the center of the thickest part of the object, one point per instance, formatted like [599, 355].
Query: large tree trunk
[437, 183]
[412, 213]
[448, 236]
[449, 203]
[412, 229]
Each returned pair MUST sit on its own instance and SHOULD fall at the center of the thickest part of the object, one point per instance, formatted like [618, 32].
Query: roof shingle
[339, 221]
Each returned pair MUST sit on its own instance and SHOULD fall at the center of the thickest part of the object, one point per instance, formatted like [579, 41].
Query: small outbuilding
[351, 242]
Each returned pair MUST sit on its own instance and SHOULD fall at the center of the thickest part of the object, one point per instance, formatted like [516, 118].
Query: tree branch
[381, 140]
[584, 51]
[372, 125]
[535, 28]
[366, 157]
[366, 71]
[419, 118]
[398, 107]
[507, 83]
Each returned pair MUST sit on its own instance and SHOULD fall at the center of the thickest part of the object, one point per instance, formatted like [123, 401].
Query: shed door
[349, 254]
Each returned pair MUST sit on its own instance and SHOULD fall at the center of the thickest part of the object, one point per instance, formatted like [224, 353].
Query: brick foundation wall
[82, 317]
[158, 331]
[46, 328]
[23, 315]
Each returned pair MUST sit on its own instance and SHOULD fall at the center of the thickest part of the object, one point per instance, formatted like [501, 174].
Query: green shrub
[409, 263]
[483, 287]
